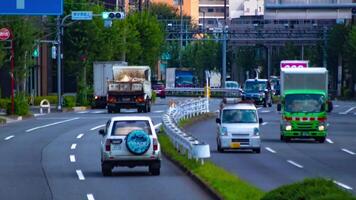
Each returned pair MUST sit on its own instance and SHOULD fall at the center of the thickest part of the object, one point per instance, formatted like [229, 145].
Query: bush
[69, 101]
[20, 103]
[2, 120]
[4, 103]
[53, 100]
[154, 97]
[309, 189]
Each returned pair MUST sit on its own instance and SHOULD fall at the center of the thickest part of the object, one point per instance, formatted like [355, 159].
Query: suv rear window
[239, 116]
[123, 128]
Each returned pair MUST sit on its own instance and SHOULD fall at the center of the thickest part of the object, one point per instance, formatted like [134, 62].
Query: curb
[195, 178]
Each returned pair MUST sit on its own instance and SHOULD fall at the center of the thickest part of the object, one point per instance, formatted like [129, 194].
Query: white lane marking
[80, 135]
[82, 112]
[74, 146]
[80, 174]
[264, 123]
[52, 124]
[38, 115]
[348, 151]
[329, 141]
[90, 197]
[270, 150]
[96, 127]
[343, 185]
[347, 111]
[99, 111]
[157, 125]
[158, 111]
[72, 158]
[259, 108]
[265, 111]
[336, 106]
[295, 164]
[9, 137]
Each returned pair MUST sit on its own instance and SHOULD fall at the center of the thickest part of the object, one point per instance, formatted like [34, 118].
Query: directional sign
[82, 15]
[4, 34]
[31, 7]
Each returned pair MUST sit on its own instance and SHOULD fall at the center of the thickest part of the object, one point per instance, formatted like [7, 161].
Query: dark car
[258, 90]
[159, 89]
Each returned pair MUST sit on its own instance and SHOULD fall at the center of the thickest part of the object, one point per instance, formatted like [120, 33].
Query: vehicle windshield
[231, 85]
[123, 128]
[239, 116]
[304, 103]
[255, 86]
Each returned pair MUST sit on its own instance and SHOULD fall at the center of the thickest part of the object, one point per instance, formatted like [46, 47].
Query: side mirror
[260, 120]
[279, 107]
[218, 120]
[330, 106]
[102, 132]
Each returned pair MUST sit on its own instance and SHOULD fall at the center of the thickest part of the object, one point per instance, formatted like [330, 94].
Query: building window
[210, 10]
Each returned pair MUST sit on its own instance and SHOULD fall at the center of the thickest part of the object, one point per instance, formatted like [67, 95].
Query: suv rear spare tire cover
[138, 142]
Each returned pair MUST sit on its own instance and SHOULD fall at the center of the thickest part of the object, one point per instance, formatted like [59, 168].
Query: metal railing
[184, 142]
[199, 92]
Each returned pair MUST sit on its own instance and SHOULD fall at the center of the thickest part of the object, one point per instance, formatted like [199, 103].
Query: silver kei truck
[130, 88]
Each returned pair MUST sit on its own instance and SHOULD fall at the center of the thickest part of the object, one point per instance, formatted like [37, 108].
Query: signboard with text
[31, 7]
[5, 34]
[294, 64]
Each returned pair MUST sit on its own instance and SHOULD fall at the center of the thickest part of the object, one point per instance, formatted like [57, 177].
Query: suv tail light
[140, 99]
[155, 144]
[107, 145]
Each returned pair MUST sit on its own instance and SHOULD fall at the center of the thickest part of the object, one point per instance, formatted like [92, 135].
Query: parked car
[238, 126]
[232, 85]
[258, 90]
[159, 89]
[130, 141]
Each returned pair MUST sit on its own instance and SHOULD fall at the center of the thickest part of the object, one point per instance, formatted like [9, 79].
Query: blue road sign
[31, 7]
[82, 15]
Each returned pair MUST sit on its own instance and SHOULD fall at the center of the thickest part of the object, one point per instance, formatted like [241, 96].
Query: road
[283, 163]
[57, 156]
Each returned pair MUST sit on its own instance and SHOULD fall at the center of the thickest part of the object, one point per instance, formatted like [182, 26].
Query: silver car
[130, 141]
[238, 127]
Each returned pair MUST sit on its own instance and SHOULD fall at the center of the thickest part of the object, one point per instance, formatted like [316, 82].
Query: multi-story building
[212, 12]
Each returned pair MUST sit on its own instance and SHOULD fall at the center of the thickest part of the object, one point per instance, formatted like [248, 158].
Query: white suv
[130, 141]
[238, 127]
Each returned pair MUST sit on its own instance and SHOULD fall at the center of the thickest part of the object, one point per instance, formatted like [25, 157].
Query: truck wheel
[106, 169]
[320, 139]
[149, 107]
[257, 150]
[265, 103]
[145, 109]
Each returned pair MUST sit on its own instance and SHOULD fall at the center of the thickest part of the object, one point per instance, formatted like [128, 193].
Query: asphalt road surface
[283, 163]
[57, 156]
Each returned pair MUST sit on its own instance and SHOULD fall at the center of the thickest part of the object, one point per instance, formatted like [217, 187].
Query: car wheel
[106, 169]
[257, 150]
[155, 171]
[145, 108]
[282, 138]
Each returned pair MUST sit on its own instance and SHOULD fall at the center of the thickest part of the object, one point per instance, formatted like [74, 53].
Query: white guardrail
[184, 142]
[220, 92]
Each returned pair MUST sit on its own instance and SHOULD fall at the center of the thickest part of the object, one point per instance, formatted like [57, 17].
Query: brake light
[140, 99]
[111, 99]
[288, 118]
[108, 145]
[96, 97]
[321, 119]
[155, 144]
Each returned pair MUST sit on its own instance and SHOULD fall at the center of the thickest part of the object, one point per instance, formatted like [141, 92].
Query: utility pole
[117, 5]
[140, 5]
[59, 63]
[224, 49]
[181, 32]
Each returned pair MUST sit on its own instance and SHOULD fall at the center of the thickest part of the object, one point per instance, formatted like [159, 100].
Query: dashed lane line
[264, 123]
[347, 111]
[80, 174]
[52, 124]
[329, 141]
[73, 146]
[270, 150]
[295, 164]
[90, 197]
[72, 158]
[158, 111]
[80, 135]
[343, 185]
[96, 127]
[9, 137]
[348, 151]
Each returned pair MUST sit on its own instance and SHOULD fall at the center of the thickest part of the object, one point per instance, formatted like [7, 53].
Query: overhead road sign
[82, 15]
[31, 7]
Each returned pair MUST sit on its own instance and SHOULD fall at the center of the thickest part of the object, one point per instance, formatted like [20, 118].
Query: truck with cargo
[178, 78]
[304, 103]
[102, 73]
[130, 88]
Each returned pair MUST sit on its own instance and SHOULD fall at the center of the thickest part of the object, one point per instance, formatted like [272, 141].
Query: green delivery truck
[304, 103]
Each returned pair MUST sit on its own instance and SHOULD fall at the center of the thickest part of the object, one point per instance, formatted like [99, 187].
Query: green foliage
[309, 189]
[4, 103]
[69, 101]
[21, 105]
[154, 97]
[2, 120]
[53, 100]
[226, 184]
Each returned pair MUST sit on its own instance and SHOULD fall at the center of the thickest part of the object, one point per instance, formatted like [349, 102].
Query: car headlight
[256, 132]
[321, 128]
[224, 131]
[288, 127]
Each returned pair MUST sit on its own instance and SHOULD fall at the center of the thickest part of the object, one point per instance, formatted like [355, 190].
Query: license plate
[235, 145]
[125, 99]
[115, 147]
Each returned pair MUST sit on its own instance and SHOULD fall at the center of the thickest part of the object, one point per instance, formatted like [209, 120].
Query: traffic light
[113, 15]
[54, 52]
[35, 53]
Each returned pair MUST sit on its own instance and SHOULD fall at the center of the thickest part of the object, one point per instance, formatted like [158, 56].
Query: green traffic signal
[35, 53]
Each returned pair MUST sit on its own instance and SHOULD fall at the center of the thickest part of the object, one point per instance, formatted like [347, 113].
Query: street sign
[4, 34]
[294, 64]
[31, 7]
[82, 15]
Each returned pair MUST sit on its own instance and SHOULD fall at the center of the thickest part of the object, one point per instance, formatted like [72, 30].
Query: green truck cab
[304, 103]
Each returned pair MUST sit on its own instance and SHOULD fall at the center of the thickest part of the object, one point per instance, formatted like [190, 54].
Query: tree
[351, 58]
